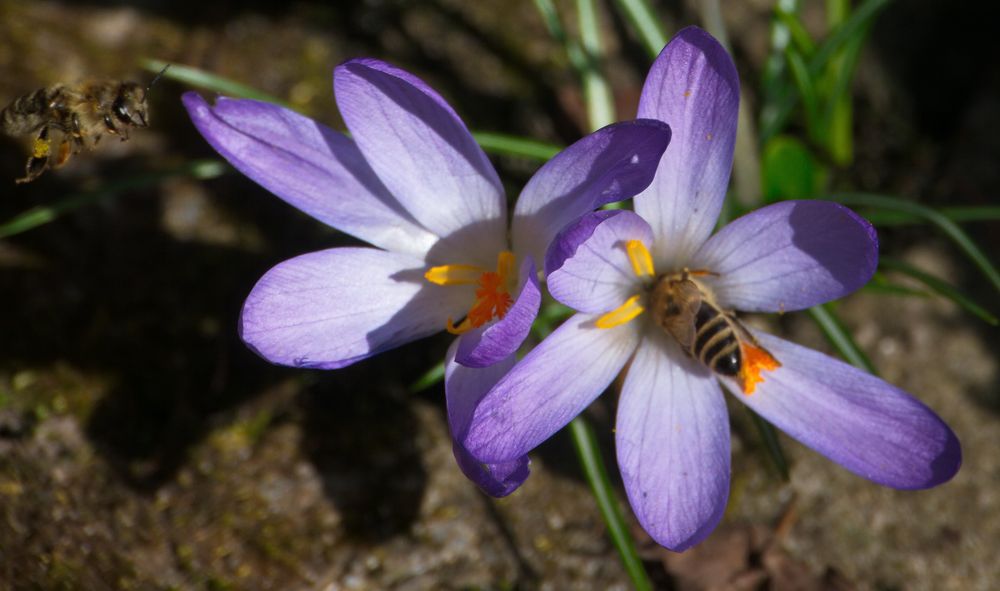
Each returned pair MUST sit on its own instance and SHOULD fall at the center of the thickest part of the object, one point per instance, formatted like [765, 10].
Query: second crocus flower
[412, 182]
[654, 293]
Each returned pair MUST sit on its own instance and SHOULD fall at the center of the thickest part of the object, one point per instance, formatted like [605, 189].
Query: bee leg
[39, 160]
[64, 151]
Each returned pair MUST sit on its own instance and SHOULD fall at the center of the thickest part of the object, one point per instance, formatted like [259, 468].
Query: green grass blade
[799, 36]
[958, 214]
[431, 377]
[597, 92]
[43, 214]
[646, 24]
[948, 227]
[835, 332]
[593, 468]
[939, 286]
[209, 81]
[807, 90]
[510, 145]
[769, 437]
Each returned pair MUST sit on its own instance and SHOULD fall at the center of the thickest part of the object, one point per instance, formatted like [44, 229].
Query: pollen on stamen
[755, 361]
[622, 314]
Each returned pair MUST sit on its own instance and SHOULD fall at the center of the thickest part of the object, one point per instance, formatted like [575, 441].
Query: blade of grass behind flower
[807, 90]
[950, 228]
[769, 437]
[589, 455]
[208, 81]
[43, 214]
[862, 18]
[597, 92]
[645, 23]
[939, 286]
[431, 376]
[835, 332]
[798, 34]
[510, 145]
[958, 214]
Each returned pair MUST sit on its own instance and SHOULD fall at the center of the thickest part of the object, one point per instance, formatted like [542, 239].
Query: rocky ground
[143, 447]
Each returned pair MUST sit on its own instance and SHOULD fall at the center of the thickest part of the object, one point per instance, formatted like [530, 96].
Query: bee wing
[681, 325]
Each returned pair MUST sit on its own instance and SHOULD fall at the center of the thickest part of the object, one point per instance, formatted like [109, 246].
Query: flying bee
[706, 332]
[74, 117]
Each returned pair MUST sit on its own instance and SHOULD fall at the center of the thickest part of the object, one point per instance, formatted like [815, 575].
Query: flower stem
[593, 467]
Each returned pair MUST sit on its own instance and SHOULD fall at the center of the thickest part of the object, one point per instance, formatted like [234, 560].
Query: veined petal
[866, 425]
[693, 86]
[611, 164]
[481, 348]
[598, 276]
[309, 166]
[672, 439]
[464, 387]
[789, 256]
[550, 386]
[331, 308]
[424, 154]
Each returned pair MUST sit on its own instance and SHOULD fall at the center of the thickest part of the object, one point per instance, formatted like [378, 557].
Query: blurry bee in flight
[74, 117]
[706, 332]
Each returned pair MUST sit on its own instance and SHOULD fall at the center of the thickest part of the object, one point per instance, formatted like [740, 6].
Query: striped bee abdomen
[715, 341]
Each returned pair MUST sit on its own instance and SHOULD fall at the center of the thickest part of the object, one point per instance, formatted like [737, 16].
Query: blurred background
[142, 446]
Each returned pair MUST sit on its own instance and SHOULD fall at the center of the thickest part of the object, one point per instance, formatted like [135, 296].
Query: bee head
[130, 105]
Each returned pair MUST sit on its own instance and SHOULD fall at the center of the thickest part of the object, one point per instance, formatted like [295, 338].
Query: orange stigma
[493, 297]
[755, 360]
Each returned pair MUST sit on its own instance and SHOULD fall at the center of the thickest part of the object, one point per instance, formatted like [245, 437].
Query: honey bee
[706, 332]
[74, 117]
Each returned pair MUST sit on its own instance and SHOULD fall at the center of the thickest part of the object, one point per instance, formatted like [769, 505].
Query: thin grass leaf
[958, 214]
[772, 445]
[879, 284]
[807, 90]
[799, 36]
[597, 92]
[838, 336]
[646, 24]
[43, 214]
[939, 286]
[862, 18]
[431, 377]
[511, 145]
[950, 228]
[593, 468]
[208, 81]
[574, 52]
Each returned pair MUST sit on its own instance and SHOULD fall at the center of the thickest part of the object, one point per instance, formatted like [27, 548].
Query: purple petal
[611, 164]
[481, 348]
[789, 256]
[672, 439]
[425, 155]
[550, 386]
[866, 425]
[693, 86]
[598, 276]
[334, 307]
[464, 387]
[309, 166]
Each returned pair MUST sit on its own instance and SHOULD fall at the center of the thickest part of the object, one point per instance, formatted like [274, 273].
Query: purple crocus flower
[653, 290]
[413, 183]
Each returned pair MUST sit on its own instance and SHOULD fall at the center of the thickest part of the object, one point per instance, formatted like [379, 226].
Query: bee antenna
[157, 77]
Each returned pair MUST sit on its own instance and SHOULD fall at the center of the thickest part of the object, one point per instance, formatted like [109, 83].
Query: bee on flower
[654, 293]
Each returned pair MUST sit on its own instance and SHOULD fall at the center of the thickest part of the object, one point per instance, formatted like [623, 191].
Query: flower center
[685, 310]
[493, 297]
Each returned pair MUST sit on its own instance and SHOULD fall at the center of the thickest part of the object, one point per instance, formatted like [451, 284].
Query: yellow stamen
[454, 274]
[622, 314]
[638, 255]
[493, 297]
[755, 360]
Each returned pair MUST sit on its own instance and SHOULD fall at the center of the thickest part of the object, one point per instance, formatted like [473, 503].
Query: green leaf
[208, 81]
[769, 437]
[841, 339]
[431, 377]
[510, 145]
[939, 286]
[43, 214]
[643, 19]
[597, 92]
[589, 455]
[948, 227]
[958, 213]
[790, 171]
